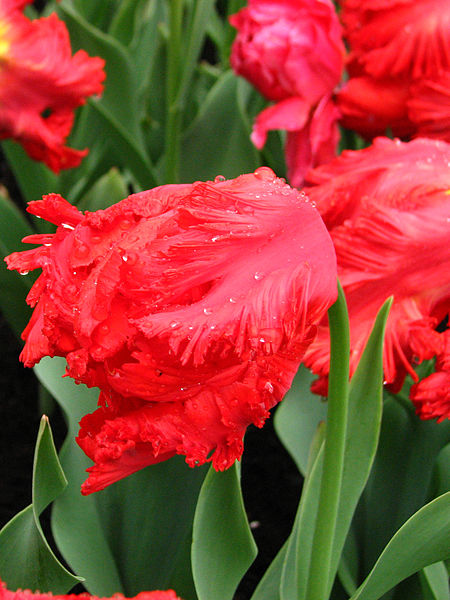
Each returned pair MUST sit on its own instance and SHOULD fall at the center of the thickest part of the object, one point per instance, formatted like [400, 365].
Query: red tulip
[399, 64]
[292, 52]
[431, 396]
[388, 212]
[189, 306]
[6, 594]
[41, 84]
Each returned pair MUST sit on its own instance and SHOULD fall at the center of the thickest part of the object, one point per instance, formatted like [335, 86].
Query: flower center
[4, 41]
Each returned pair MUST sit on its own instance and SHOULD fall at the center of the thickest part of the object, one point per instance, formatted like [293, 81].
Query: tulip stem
[173, 109]
[319, 583]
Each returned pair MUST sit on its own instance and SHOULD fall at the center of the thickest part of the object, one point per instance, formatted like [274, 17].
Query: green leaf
[217, 142]
[434, 580]
[363, 429]
[13, 287]
[442, 471]
[133, 536]
[421, 541]
[108, 190]
[223, 547]
[26, 559]
[269, 586]
[298, 552]
[118, 97]
[361, 435]
[34, 178]
[401, 476]
[116, 115]
[297, 418]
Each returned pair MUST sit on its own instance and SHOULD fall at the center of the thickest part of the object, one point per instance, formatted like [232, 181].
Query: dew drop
[265, 174]
[219, 178]
[125, 224]
[207, 311]
[81, 251]
[258, 275]
[66, 226]
[23, 272]
[174, 324]
[232, 300]
[269, 387]
[71, 290]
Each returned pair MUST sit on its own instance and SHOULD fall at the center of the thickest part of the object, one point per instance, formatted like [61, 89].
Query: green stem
[333, 465]
[173, 111]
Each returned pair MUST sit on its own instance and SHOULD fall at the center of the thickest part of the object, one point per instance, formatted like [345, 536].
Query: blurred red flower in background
[189, 306]
[399, 67]
[41, 84]
[388, 212]
[432, 395]
[6, 594]
[292, 52]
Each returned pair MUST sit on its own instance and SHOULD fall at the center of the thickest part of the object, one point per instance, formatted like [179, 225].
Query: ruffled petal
[291, 114]
[42, 84]
[6, 594]
[189, 306]
[407, 37]
[388, 212]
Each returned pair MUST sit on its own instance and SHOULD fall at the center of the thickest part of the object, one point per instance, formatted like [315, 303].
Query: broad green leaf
[401, 476]
[421, 541]
[442, 471]
[217, 142]
[298, 552]
[13, 287]
[33, 178]
[116, 115]
[108, 190]
[123, 23]
[222, 547]
[134, 535]
[362, 429]
[297, 418]
[434, 580]
[269, 586]
[123, 146]
[97, 12]
[118, 96]
[26, 559]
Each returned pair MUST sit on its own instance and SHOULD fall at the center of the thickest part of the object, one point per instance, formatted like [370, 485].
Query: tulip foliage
[212, 245]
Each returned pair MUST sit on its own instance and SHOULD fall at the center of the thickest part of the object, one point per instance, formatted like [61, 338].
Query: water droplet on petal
[207, 311]
[265, 174]
[219, 178]
[65, 225]
[269, 387]
[174, 324]
[258, 275]
[23, 272]
[81, 250]
[125, 224]
[232, 300]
